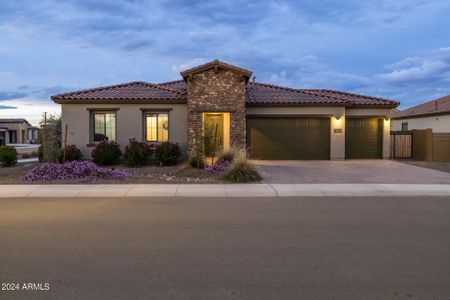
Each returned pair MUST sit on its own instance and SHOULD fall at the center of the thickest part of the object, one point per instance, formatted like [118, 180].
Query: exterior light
[386, 118]
[337, 117]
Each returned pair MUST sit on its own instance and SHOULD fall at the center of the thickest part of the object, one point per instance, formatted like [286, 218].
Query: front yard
[144, 174]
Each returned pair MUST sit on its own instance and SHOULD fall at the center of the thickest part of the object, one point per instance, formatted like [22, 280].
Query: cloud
[7, 107]
[187, 65]
[433, 66]
[5, 95]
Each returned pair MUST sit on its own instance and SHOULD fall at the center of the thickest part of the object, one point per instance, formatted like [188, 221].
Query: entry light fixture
[386, 118]
[337, 117]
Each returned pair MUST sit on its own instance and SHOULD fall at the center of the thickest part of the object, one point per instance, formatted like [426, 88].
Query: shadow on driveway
[348, 171]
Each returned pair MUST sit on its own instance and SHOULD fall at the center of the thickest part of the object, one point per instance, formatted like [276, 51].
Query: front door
[213, 130]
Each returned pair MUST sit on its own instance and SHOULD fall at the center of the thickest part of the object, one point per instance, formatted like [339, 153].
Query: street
[226, 248]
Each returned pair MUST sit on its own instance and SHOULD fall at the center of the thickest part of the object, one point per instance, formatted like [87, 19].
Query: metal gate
[401, 144]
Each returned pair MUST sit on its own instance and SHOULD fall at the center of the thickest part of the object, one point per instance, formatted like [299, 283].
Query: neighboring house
[433, 115]
[429, 125]
[17, 131]
[273, 122]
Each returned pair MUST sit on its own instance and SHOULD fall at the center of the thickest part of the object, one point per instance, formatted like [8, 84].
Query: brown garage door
[288, 137]
[363, 138]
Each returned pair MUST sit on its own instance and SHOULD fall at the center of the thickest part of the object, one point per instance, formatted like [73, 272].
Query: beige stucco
[337, 127]
[129, 122]
[439, 124]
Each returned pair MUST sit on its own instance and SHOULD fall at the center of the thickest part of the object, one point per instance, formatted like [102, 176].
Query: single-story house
[17, 131]
[272, 122]
[433, 115]
[429, 125]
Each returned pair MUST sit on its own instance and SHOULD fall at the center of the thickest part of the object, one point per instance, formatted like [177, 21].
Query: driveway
[216, 248]
[348, 171]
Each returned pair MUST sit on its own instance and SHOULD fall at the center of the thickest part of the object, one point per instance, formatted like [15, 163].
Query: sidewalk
[224, 190]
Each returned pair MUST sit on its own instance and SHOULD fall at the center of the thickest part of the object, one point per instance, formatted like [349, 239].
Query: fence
[420, 145]
[402, 144]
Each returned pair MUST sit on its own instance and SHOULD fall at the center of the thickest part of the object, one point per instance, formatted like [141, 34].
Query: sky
[397, 49]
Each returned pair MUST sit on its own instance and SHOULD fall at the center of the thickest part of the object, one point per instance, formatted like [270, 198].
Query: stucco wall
[439, 124]
[18, 127]
[129, 122]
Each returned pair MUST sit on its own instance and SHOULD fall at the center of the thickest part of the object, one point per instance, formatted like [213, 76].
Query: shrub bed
[72, 153]
[8, 156]
[137, 153]
[196, 162]
[240, 170]
[73, 170]
[220, 167]
[168, 153]
[106, 153]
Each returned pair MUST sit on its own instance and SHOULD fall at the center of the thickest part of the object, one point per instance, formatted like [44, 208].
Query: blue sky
[398, 49]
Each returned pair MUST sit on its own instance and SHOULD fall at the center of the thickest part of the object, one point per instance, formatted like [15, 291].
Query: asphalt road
[283, 248]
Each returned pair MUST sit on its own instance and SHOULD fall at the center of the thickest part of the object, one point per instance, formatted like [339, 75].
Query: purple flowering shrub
[220, 167]
[72, 170]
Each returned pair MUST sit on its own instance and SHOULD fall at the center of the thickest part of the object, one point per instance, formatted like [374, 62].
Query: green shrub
[8, 156]
[137, 153]
[168, 153]
[241, 170]
[72, 153]
[196, 162]
[106, 153]
[228, 155]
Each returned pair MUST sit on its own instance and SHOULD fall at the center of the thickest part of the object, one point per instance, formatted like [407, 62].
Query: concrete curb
[224, 190]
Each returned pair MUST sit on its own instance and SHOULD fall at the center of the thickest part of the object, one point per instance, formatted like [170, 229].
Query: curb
[224, 190]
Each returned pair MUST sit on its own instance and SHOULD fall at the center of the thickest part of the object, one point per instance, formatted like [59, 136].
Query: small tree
[51, 137]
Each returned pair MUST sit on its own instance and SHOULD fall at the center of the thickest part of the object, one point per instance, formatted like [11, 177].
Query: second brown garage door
[363, 138]
[279, 138]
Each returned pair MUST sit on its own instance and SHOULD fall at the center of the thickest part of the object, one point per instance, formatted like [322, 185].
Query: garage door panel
[363, 138]
[288, 138]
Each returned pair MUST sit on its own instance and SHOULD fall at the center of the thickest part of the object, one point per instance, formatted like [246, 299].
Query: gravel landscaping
[144, 174]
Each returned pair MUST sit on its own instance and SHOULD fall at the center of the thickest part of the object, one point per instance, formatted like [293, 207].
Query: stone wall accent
[216, 90]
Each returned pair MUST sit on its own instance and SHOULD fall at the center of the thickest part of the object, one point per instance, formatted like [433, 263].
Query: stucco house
[17, 131]
[433, 115]
[272, 122]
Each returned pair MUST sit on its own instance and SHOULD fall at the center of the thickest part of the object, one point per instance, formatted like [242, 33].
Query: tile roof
[132, 91]
[19, 120]
[215, 63]
[256, 93]
[438, 106]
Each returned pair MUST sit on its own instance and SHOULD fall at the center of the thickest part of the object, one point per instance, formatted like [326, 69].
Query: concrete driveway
[348, 171]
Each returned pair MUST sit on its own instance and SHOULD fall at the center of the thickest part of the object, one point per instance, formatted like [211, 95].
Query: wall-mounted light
[386, 118]
[337, 117]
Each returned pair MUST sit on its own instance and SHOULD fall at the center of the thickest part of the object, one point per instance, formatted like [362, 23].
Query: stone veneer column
[216, 90]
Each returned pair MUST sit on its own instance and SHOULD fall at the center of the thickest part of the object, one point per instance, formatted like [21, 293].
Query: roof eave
[118, 101]
[432, 114]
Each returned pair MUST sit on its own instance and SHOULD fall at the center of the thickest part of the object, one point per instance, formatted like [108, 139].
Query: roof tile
[434, 107]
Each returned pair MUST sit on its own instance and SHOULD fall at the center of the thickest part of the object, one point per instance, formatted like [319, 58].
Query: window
[156, 127]
[405, 126]
[104, 126]
[23, 137]
[2, 138]
[13, 136]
